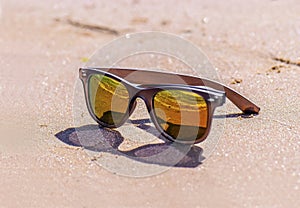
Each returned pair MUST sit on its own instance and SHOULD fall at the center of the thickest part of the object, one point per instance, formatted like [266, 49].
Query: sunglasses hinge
[83, 73]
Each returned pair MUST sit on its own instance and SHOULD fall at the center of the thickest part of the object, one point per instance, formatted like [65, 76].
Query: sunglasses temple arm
[243, 103]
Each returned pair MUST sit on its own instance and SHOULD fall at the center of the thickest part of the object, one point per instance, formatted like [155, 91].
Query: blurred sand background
[254, 44]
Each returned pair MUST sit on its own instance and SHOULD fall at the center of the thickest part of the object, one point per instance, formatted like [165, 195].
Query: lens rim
[183, 90]
[93, 105]
[85, 78]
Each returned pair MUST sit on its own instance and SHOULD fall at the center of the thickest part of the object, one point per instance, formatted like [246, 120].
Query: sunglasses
[181, 107]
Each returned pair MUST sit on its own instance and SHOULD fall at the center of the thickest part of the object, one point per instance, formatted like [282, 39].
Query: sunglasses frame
[149, 83]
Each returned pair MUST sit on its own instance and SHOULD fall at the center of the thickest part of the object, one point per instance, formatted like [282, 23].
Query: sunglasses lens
[109, 99]
[181, 114]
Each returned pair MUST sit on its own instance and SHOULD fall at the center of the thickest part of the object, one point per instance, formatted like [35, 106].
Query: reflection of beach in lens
[109, 99]
[184, 114]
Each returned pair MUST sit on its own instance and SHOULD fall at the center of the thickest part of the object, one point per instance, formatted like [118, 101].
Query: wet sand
[255, 47]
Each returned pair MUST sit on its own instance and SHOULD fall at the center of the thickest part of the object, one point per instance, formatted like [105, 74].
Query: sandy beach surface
[254, 45]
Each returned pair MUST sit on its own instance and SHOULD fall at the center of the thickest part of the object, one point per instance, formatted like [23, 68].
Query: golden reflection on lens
[181, 114]
[109, 99]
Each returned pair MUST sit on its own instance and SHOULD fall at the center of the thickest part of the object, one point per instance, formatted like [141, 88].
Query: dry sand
[256, 162]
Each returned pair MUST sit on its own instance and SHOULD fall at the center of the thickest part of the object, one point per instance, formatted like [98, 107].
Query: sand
[253, 44]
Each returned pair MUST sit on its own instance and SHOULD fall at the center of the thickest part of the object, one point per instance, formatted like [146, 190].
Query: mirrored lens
[181, 114]
[109, 99]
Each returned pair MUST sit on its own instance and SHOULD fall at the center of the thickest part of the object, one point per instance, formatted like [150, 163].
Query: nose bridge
[146, 95]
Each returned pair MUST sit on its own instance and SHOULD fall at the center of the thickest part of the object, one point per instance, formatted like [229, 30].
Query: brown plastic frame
[145, 84]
